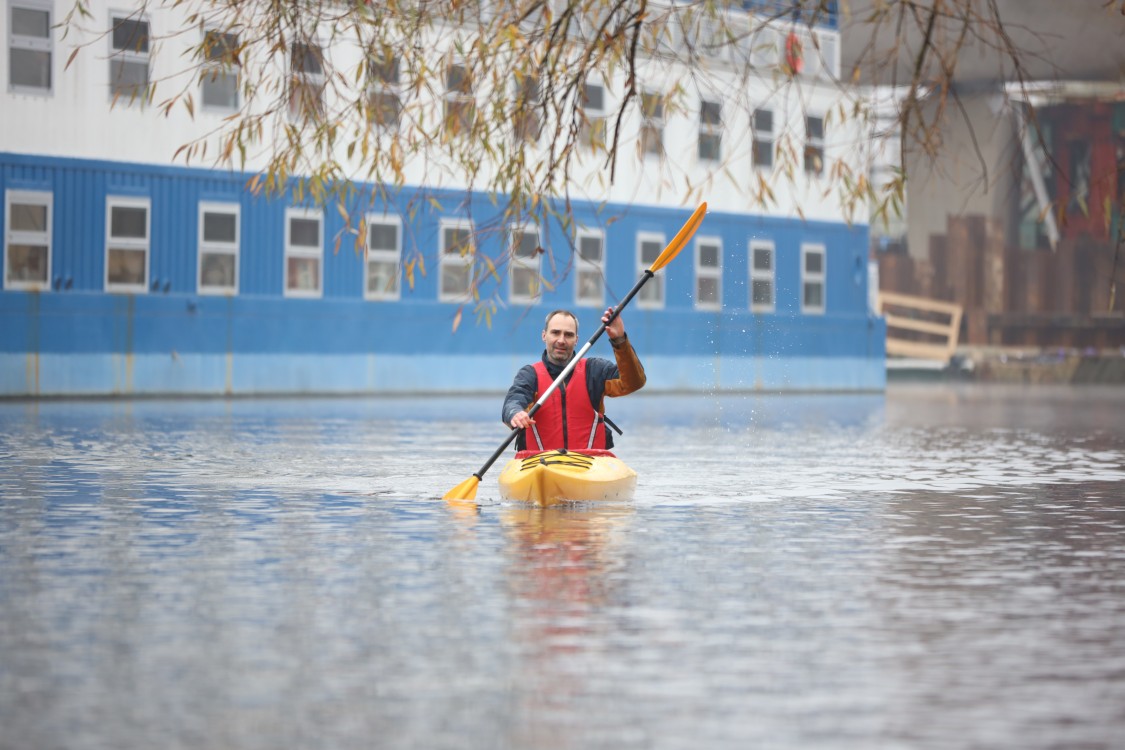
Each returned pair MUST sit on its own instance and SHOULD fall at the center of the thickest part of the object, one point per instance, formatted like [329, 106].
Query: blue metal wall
[78, 339]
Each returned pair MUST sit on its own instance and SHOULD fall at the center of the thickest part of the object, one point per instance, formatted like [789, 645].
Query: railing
[817, 14]
[920, 327]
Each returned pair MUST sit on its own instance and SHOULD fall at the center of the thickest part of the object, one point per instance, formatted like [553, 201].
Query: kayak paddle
[467, 490]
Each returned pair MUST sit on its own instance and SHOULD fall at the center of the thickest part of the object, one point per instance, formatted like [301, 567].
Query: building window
[710, 131]
[30, 47]
[384, 103]
[649, 247]
[812, 278]
[763, 138]
[219, 72]
[527, 124]
[218, 248]
[592, 132]
[129, 58]
[652, 124]
[525, 265]
[127, 245]
[814, 145]
[27, 240]
[761, 276]
[460, 106]
[304, 253]
[306, 82]
[384, 256]
[457, 253]
[590, 278]
[708, 273]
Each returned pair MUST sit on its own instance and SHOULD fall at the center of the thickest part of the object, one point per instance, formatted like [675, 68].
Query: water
[939, 567]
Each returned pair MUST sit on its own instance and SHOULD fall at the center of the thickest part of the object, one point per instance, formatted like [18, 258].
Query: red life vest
[584, 427]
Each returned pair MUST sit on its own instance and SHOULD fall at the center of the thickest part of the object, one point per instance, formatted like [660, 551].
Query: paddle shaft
[648, 274]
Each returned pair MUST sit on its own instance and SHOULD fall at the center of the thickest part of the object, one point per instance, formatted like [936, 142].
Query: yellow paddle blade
[677, 244]
[467, 490]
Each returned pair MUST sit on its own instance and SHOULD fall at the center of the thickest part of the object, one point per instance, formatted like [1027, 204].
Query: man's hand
[616, 329]
[521, 420]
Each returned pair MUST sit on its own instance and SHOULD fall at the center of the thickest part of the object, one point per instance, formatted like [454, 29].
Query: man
[580, 397]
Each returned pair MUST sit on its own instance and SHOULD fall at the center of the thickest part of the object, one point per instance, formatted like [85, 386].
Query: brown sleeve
[629, 367]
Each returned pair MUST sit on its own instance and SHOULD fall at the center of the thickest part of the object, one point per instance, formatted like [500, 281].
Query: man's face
[560, 336]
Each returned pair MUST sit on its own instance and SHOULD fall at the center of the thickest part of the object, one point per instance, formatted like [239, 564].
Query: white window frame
[820, 278]
[818, 142]
[712, 129]
[13, 237]
[594, 122]
[32, 44]
[458, 104]
[391, 256]
[764, 136]
[303, 251]
[449, 260]
[129, 56]
[383, 78]
[584, 266]
[304, 79]
[128, 243]
[213, 70]
[709, 272]
[652, 124]
[758, 274]
[516, 233]
[218, 247]
[651, 296]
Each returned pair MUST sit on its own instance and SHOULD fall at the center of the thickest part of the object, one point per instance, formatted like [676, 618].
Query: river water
[935, 567]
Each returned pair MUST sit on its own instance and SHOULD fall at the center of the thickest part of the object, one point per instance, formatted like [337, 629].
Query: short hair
[553, 313]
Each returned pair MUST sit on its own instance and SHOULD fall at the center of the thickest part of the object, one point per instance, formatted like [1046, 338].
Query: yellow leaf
[457, 320]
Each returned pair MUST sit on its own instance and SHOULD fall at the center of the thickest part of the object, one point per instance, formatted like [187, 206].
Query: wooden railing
[920, 327]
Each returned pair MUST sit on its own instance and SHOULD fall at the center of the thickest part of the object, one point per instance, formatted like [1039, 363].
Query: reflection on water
[936, 567]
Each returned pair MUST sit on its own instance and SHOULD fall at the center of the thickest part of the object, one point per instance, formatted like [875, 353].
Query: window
[708, 273]
[457, 254]
[460, 106]
[710, 131]
[384, 254]
[589, 286]
[812, 278]
[652, 124]
[525, 265]
[307, 82]
[384, 103]
[304, 252]
[649, 247]
[814, 145]
[218, 248]
[219, 72]
[592, 132]
[27, 240]
[30, 47]
[127, 245]
[129, 58]
[526, 117]
[763, 138]
[761, 276]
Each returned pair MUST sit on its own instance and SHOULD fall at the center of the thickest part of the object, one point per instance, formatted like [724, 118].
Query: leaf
[457, 320]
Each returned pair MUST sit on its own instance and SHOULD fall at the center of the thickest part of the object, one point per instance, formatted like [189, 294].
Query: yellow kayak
[561, 476]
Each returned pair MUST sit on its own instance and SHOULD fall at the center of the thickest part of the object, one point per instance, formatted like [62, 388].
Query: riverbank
[1018, 365]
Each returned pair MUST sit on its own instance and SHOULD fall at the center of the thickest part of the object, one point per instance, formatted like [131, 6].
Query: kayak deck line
[558, 476]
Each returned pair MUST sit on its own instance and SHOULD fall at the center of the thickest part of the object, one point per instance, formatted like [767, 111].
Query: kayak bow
[560, 476]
